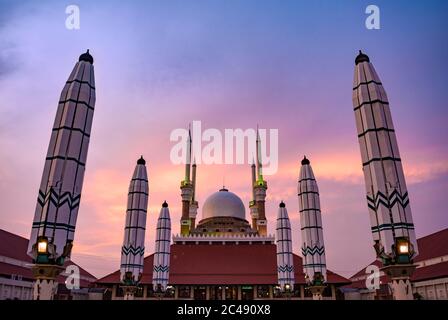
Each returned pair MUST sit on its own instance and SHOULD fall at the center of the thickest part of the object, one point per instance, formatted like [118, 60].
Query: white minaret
[259, 191]
[161, 269]
[187, 190]
[285, 264]
[54, 223]
[133, 250]
[387, 196]
[313, 249]
[253, 204]
[193, 211]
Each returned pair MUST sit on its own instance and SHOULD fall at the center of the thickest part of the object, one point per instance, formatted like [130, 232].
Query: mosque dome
[223, 204]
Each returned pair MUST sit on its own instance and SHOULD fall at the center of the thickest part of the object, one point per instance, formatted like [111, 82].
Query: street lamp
[403, 250]
[42, 246]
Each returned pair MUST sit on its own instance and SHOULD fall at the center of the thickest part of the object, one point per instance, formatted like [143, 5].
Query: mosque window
[215, 293]
[169, 293]
[263, 292]
[327, 292]
[120, 292]
[296, 292]
[139, 292]
[184, 292]
[200, 293]
[231, 293]
[150, 291]
[308, 293]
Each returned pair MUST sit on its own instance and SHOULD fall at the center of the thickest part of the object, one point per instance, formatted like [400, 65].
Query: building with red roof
[429, 280]
[16, 277]
[222, 270]
[221, 258]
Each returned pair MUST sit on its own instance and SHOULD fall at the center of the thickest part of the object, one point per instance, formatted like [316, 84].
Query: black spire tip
[86, 57]
[362, 57]
[282, 204]
[141, 161]
[305, 161]
[164, 204]
[224, 189]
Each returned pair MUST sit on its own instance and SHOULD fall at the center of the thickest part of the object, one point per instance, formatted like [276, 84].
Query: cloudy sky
[231, 64]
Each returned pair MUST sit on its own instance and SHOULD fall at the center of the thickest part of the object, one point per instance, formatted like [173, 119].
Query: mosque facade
[226, 253]
[226, 256]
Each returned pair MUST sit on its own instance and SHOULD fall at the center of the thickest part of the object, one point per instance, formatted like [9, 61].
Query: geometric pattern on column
[285, 264]
[62, 179]
[133, 249]
[161, 267]
[387, 195]
[313, 249]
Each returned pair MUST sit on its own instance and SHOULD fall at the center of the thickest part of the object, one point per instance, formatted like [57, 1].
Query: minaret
[186, 187]
[387, 195]
[285, 264]
[260, 188]
[161, 269]
[252, 204]
[133, 250]
[60, 189]
[193, 212]
[313, 248]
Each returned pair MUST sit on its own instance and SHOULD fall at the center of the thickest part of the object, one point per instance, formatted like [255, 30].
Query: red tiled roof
[433, 245]
[9, 269]
[433, 271]
[430, 246]
[223, 264]
[15, 247]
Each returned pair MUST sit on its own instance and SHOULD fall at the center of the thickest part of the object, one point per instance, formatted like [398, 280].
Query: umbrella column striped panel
[161, 268]
[387, 196]
[285, 264]
[313, 248]
[133, 249]
[59, 196]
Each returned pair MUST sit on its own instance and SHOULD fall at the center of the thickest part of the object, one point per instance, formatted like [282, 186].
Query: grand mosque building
[225, 252]
[223, 257]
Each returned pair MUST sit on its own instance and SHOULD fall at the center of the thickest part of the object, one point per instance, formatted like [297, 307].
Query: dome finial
[141, 161]
[305, 161]
[362, 57]
[282, 204]
[86, 57]
[164, 204]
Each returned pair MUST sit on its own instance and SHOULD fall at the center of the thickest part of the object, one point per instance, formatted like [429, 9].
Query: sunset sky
[285, 65]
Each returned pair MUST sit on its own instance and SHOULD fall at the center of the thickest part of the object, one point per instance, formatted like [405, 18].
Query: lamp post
[399, 268]
[317, 286]
[44, 271]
